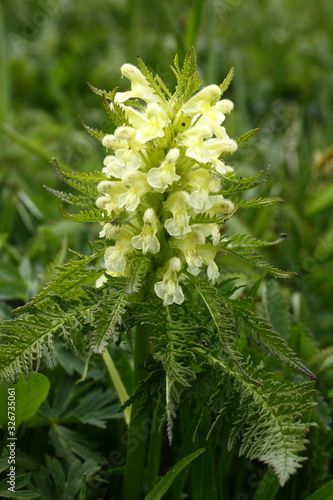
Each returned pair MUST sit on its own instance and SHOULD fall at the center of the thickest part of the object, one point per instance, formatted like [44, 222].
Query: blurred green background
[282, 53]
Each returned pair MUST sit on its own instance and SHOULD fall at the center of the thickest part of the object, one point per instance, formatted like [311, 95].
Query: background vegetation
[282, 53]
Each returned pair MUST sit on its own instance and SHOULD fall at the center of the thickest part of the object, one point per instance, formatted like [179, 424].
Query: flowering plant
[162, 200]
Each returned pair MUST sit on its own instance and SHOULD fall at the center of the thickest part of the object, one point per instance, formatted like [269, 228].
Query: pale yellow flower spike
[164, 175]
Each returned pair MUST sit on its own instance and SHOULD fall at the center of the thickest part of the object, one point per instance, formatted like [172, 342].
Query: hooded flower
[140, 88]
[147, 240]
[169, 289]
[162, 177]
[177, 204]
[202, 184]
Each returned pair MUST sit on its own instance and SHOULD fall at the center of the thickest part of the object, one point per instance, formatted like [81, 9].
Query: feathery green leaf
[108, 312]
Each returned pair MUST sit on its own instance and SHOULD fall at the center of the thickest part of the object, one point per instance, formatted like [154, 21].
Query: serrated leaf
[22, 341]
[68, 276]
[263, 333]
[239, 184]
[222, 318]
[269, 419]
[258, 202]
[241, 247]
[77, 200]
[79, 176]
[101, 93]
[79, 181]
[139, 269]
[243, 139]
[109, 312]
[92, 215]
[93, 132]
[154, 81]
[188, 81]
[228, 79]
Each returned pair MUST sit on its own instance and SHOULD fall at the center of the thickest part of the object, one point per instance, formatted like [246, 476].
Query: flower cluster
[164, 171]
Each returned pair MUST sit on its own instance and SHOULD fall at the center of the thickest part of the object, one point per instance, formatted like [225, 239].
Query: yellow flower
[162, 177]
[115, 256]
[207, 253]
[139, 86]
[153, 125]
[194, 140]
[137, 186]
[169, 289]
[202, 183]
[112, 190]
[177, 204]
[147, 240]
[189, 246]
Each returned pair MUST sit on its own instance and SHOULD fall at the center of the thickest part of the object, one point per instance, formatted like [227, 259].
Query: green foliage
[188, 81]
[238, 184]
[227, 81]
[70, 275]
[108, 312]
[164, 484]
[268, 419]
[29, 394]
[81, 201]
[241, 245]
[93, 215]
[243, 139]
[323, 493]
[155, 82]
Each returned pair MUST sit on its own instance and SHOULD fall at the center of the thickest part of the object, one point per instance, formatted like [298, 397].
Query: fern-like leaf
[22, 341]
[78, 176]
[263, 333]
[152, 81]
[188, 81]
[172, 347]
[78, 180]
[92, 215]
[108, 313]
[238, 184]
[223, 319]
[209, 219]
[235, 245]
[258, 202]
[269, 419]
[93, 132]
[101, 93]
[139, 269]
[71, 275]
[79, 201]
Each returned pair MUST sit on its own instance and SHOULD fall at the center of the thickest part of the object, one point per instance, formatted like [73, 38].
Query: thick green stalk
[139, 427]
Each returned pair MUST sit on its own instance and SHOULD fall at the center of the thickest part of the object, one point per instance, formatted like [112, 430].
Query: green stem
[139, 426]
[118, 384]
[154, 448]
